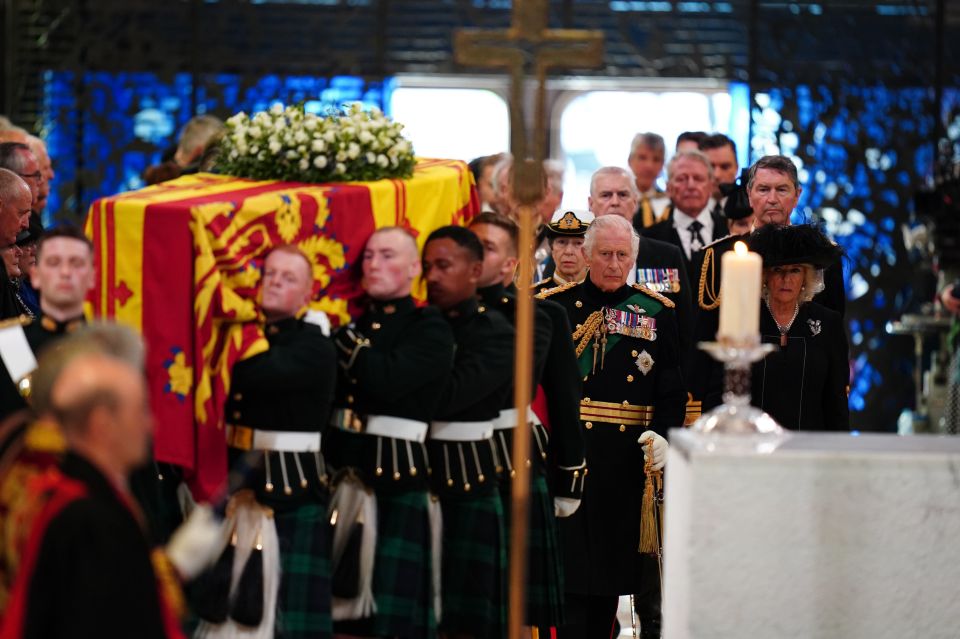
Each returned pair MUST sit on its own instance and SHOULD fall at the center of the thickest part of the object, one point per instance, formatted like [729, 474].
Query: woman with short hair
[804, 384]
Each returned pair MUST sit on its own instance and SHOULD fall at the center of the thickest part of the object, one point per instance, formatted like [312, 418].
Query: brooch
[644, 362]
[814, 326]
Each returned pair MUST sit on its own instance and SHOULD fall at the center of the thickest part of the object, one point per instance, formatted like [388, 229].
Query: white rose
[371, 158]
[302, 149]
[320, 161]
[276, 109]
[353, 150]
[376, 113]
[300, 136]
[304, 164]
[340, 168]
[234, 155]
[254, 150]
[365, 137]
[254, 132]
[310, 123]
[330, 136]
[318, 146]
[275, 145]
[403, 146]
[382, 161]
[292, 154]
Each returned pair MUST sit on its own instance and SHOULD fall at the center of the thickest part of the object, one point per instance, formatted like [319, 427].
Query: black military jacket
[475, 390]
[803, 385]
[409, 357]
[289, 387]
[642, 370]
[706, 374]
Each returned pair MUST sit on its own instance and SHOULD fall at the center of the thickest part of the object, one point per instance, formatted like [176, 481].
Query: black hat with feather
[798, 244]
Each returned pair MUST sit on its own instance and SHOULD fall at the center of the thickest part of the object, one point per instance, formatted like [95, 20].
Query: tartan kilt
[474, 567]
[544, 607]
[402, 574]
[304, 598]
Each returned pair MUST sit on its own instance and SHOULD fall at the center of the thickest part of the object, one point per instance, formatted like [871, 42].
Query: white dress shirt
[681, 222]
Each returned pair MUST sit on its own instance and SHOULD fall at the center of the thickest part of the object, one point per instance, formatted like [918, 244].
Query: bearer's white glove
[565, 506]
[659, 448]
[195, 544]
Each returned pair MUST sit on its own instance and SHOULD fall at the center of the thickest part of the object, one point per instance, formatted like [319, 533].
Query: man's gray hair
[780, 163]
[554, 172]
[652, 141]
[611, 223]
[503, 164]
[615, 170]
[11, 185]
[198, 132]
[13, 156]
[698, 156]
[100, 338]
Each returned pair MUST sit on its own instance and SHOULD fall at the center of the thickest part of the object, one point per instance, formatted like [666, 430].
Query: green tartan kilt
[304, 599]
[402, 574]
[544, 556]
[474, 567]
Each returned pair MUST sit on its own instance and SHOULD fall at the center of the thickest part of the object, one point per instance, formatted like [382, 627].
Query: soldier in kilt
[393, 360]
[498, 234]
[279, 401]
[460, 447]
[628, 355]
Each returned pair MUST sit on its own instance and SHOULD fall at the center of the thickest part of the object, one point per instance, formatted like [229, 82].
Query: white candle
[742, 274]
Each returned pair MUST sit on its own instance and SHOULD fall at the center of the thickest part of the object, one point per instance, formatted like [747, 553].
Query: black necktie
[696, 240]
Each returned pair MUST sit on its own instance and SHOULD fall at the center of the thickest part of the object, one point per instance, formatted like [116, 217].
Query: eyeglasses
[33, 176]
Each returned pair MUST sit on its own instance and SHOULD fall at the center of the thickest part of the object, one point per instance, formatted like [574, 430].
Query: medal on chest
[630, 324]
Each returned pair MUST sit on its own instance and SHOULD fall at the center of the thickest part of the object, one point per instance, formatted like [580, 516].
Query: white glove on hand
[659, 448]
[195, 544]
[565, 506]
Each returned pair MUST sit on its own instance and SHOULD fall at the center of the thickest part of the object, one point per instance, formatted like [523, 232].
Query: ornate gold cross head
[528, 47]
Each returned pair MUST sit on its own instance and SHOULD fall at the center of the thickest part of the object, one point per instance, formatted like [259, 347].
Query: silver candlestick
[736, 415]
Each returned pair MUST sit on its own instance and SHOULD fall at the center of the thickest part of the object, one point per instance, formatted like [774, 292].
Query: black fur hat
[799, 244]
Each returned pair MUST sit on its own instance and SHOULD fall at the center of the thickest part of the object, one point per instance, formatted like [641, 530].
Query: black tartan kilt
[544, 557]
[304, 598]
[474, 567]
[402, 574]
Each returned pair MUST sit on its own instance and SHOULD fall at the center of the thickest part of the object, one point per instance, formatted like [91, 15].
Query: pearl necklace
[783, 328]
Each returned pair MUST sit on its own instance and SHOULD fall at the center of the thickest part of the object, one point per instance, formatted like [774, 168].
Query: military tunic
[464, 472]
[392, 363]
[629, 360]
[279, 405]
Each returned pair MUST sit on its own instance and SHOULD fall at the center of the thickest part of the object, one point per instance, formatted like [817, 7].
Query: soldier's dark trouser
[647, 601]
[588, 616]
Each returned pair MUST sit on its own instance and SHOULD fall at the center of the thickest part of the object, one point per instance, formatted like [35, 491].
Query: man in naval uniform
[555, 369]
[627, 345]
[464, 475]
[278, 406]
[393, 360]
[773, 190]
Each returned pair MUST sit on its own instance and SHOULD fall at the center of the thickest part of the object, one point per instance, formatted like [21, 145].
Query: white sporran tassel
[354, 504]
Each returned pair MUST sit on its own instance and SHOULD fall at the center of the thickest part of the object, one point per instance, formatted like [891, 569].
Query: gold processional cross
[527, 45]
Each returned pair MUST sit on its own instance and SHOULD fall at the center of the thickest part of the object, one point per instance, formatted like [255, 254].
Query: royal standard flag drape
[180, 262]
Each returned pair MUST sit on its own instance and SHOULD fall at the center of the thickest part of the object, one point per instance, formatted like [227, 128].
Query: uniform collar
[465, 308]
[59, 328]
[397, 306]
[493, 294]
[593, 292]
[281, 325]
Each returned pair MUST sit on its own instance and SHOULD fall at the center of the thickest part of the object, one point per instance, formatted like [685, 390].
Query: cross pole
[527, 43]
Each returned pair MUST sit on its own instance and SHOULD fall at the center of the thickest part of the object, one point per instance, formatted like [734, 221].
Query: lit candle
[742, 274]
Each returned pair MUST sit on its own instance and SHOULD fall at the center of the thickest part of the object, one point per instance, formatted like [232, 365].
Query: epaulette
[666, 301]
[553, 291]
[541, 282]
[21, 320]
[715, 242]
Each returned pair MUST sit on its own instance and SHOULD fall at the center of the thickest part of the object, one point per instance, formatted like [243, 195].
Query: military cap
[570, 223]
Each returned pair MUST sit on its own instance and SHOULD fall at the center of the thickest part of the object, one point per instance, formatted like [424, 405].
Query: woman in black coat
[804, 384]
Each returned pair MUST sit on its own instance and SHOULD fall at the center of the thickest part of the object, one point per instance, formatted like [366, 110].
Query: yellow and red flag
[180, 262]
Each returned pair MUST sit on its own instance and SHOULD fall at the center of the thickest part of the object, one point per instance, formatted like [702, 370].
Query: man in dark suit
[691, 223]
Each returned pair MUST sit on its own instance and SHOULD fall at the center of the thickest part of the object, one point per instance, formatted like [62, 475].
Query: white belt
[508, 418]
[461, 431]
[277, 440]
[397, 427]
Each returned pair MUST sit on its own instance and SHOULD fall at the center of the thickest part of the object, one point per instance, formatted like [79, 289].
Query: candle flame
[740, 248]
